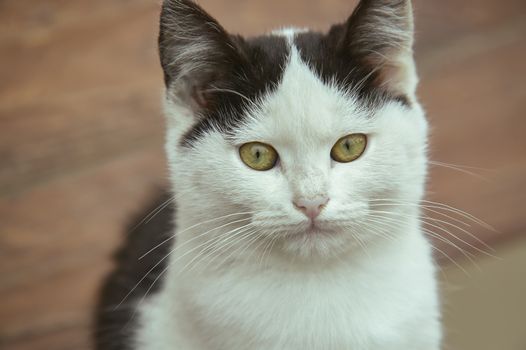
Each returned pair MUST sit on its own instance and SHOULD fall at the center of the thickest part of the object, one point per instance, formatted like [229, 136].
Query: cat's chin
[315, 241]
[314, 232]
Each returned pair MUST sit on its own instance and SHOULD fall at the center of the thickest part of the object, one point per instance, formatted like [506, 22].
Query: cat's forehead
[303, 105]
[303, 102]
[299, 86]
[322, 54]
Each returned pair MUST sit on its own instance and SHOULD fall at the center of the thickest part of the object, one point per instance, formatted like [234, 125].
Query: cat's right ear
[197, 54]
[379, 37]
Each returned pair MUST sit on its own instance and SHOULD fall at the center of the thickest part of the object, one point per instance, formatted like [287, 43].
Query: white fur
[348, 289]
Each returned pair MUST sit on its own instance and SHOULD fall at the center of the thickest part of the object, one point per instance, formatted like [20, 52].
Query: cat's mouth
[313, 228]
[318, 231]
[316, 227]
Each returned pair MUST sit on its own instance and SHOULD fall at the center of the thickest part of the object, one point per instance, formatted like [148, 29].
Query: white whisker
[468, 255]
[193, 226]
[460, 168]
[163, 259]
[426, 220]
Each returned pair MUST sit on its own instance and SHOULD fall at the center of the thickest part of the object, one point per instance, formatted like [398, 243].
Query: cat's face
[297, 95]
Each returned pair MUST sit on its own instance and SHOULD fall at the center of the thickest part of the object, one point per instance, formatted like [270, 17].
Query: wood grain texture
[81, 135]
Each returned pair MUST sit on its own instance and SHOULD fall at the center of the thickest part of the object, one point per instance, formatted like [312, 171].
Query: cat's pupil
[258, 154]
[347, 145]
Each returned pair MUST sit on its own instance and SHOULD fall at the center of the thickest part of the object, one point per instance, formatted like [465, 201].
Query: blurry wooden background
[81, 134]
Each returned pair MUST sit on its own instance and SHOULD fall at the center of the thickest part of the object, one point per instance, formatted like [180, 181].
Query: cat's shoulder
[134, 272]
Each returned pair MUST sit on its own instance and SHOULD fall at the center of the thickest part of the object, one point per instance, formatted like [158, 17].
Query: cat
[297, 161]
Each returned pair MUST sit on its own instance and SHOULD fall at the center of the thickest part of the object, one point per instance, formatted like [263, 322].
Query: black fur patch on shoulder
[115, 324]
[258, 72]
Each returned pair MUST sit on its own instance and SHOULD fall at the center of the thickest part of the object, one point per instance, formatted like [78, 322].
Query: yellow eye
[349, 148]
[258, 156]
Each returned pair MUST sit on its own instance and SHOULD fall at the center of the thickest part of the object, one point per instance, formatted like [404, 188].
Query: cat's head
[304, 132]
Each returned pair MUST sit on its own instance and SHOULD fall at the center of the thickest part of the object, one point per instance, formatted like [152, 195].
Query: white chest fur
[384, 299]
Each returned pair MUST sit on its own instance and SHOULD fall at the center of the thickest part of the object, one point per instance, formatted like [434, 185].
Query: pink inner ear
[394, 70]
[202, 89]
[397, 75]
[391, 77]
[200, 97]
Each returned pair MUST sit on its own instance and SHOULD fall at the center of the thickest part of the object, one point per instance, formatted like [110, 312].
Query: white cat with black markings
[298, 160]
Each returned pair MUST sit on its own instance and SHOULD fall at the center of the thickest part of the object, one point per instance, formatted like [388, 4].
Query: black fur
[258, 72]
[114, 325]
[249, 68]
[331, 63]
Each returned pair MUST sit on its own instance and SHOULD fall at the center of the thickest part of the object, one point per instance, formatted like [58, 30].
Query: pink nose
[311, 207]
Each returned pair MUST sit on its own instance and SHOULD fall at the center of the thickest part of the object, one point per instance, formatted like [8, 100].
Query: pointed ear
[380, 35]
[197, 54]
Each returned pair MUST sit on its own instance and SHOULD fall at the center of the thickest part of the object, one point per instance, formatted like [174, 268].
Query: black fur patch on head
[219, 76]
[258, 73]
[323, 54]
[212, 73]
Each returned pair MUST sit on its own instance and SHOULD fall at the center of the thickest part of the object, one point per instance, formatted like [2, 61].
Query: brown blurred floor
[81, 134]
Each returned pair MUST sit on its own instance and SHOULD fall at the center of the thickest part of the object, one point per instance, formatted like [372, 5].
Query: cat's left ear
[197, 55]
[380, 35]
